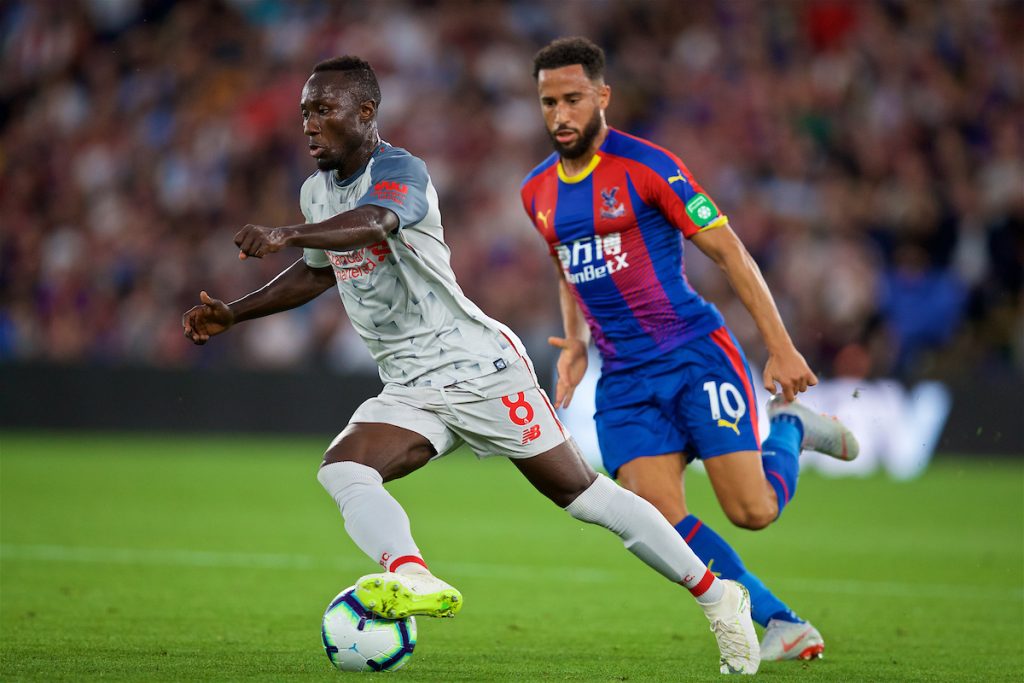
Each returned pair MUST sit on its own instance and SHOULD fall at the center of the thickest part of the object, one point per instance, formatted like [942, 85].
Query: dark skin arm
[296, 285]
[350, 230]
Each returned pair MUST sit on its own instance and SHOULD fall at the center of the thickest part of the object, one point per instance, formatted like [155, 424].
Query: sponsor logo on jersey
[701, 209]
[612, 208]
[391, 191]
[349, 265]
[592, 258]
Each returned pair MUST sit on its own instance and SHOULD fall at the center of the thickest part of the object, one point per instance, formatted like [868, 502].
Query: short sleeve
[315, 258]
[528, 194]
[306, 197]
[682, 201]
[398, 182]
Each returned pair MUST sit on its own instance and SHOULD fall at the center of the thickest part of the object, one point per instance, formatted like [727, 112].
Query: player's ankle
[409, 565]
[711, 594]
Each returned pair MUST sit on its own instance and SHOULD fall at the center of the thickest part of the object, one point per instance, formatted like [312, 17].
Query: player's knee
[340, 476]
[749, 515]
[389, 463]
[565, 493]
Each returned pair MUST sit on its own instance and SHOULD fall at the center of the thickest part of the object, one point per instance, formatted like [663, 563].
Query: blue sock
[780, 456]
[723, 561]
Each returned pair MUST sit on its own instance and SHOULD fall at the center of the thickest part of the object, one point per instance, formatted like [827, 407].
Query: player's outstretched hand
[572, 365]
[210, 317]
[259, 240]
[791, 371]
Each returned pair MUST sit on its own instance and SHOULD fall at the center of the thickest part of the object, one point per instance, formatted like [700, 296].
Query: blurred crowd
[869, 153]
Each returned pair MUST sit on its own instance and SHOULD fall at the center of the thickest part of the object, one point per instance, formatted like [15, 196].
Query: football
[355, 639]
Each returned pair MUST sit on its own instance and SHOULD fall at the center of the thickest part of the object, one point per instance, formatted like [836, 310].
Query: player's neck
[579, 164]
[360, 158]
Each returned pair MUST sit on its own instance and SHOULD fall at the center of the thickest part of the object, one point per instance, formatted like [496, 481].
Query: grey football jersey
[401, 294]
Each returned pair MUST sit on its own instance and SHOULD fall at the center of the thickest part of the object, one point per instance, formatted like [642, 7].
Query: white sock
[647, 534]
[373, 518]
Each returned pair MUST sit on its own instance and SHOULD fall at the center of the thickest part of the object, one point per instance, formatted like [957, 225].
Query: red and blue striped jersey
[617, 229]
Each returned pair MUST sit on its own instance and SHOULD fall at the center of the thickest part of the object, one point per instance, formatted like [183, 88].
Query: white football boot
[822, 433]
[734, 630]
[395, 596]
[789, 640]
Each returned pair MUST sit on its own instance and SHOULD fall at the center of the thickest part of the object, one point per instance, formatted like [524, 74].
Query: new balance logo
[530, 434]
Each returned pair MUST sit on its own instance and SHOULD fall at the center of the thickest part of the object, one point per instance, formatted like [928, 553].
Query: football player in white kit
[451, 374]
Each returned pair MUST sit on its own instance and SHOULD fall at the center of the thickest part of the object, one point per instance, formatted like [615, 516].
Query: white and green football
[356, 639]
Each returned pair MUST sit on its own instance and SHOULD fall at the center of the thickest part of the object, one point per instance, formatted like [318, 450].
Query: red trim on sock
[703, 585]
[693, 531]
[406, 559]
[785, 489]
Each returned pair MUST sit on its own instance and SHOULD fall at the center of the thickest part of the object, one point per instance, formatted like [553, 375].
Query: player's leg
[562, 475]
[743, 489]
[822, 433]
[522, 426]
[728, 384]
[355, 467]
[715, 407]
[755, 487]
[660, 480]
[354, 470]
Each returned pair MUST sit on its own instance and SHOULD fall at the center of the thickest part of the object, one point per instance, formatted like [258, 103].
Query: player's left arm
[785, 364]
[360, 227]
[397, 197]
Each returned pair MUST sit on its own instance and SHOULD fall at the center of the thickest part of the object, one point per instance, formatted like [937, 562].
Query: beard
[583, 142]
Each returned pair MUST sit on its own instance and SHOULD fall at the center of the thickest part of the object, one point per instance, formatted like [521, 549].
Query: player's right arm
[296, 285]
[572, 361]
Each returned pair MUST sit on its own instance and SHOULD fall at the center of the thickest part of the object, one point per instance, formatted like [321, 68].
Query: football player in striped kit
[675, 385]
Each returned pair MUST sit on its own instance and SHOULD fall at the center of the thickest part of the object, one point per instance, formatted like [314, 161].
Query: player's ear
[367, 110]
[604, 94]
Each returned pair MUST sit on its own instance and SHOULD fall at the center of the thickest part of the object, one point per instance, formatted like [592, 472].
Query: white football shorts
[504, 413]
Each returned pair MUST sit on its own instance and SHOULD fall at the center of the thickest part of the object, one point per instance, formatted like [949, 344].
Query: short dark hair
[569, 51]
[361, 73]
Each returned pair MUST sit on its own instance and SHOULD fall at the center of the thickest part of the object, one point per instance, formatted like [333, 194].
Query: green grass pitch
[179, 558]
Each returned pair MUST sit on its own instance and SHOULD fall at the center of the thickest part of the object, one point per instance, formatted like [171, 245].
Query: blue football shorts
[697, 399]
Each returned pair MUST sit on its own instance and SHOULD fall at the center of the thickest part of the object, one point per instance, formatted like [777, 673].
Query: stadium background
[868, 152]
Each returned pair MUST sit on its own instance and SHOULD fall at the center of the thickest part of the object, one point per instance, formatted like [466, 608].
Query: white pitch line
[511, 572]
